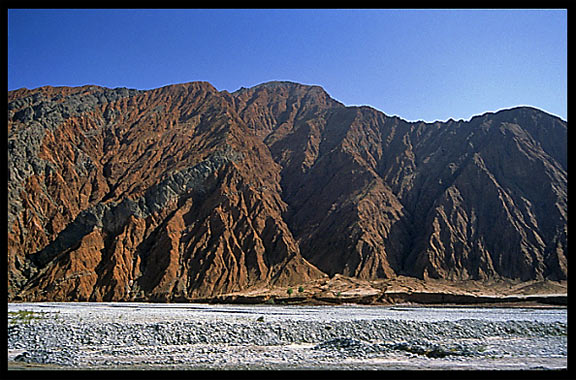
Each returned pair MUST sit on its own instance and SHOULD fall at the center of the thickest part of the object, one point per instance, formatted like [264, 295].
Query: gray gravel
[184, 336]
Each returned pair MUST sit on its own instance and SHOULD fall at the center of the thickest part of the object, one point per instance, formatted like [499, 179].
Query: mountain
[186, 192]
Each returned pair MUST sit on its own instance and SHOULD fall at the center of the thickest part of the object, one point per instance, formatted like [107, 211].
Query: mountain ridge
[185, 191]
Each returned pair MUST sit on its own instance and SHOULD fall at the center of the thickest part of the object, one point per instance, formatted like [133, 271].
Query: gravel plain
[263, 337]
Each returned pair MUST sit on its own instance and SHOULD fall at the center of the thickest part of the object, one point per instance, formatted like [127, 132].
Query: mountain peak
[288, 87]
[276, 84]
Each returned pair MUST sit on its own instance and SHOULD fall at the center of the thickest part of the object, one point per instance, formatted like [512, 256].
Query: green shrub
[24, 316]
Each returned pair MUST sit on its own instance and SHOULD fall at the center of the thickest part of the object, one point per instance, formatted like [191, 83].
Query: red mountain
[185, 192]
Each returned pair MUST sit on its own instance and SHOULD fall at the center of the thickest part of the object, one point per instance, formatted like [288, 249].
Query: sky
[429, 64]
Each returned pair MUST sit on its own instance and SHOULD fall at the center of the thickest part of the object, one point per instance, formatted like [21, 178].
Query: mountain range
[186, 192]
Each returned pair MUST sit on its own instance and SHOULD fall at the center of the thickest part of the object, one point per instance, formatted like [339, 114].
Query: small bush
[24, 316]
[270, 301]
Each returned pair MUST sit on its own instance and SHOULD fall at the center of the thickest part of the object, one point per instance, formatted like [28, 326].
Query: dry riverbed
[203, 336]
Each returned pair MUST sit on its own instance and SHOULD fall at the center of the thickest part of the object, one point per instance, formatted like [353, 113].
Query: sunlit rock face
[187, 192]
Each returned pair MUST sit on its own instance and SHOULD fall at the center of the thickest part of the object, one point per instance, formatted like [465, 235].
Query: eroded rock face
[186, 192]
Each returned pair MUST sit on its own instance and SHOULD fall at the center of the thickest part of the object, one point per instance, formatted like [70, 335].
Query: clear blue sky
[417, 64]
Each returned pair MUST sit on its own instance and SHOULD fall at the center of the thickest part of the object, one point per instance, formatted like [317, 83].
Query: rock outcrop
[185, 192]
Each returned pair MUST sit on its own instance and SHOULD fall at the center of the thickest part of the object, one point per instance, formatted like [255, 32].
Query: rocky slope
[186, 192]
